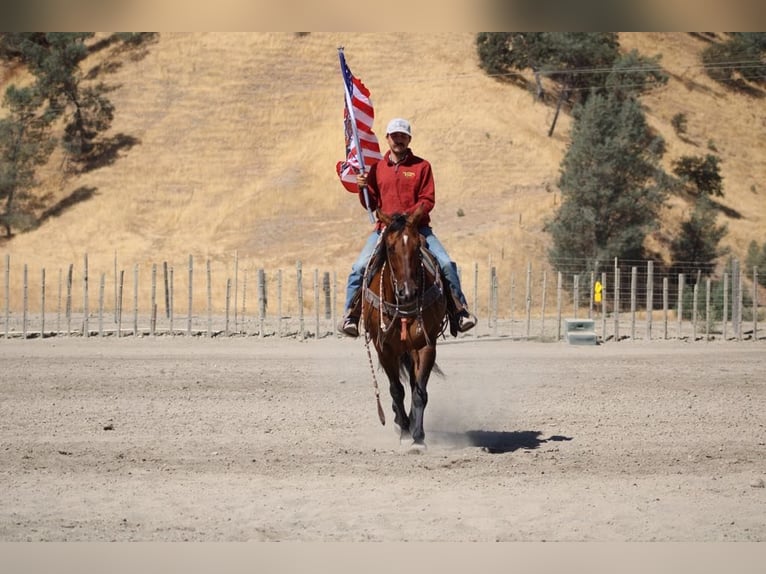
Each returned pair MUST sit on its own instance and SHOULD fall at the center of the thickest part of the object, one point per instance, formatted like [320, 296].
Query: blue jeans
[435, 246]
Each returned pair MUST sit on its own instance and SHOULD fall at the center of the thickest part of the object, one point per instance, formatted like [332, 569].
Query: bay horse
[404, 311]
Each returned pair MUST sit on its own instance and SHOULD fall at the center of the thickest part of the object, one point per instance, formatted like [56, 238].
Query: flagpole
[354, 132]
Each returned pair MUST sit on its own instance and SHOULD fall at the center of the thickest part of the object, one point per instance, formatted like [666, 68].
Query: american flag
[363, 114]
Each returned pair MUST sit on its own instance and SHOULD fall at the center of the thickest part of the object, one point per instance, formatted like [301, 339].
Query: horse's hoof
[417, 448]
[401, 433]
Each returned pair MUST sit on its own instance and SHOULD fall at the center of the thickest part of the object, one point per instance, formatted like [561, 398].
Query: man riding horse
[400, 183]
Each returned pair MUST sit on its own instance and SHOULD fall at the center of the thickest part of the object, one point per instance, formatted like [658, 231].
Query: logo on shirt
[408, 173]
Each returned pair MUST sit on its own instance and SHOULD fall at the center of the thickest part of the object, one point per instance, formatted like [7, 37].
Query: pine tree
[700, 175]
[25, 143]
[611, 183]
[580, 63]
[756, 257]
[699, 238]
[737, 60]
[54, 59]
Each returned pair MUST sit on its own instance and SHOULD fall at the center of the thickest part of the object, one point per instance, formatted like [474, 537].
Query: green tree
[740, 56]
[575, 61]
[633, 74]
[699, 238]
[611, 183]
[25, 143]
[54, 59]
[701, 175]
[756, 257]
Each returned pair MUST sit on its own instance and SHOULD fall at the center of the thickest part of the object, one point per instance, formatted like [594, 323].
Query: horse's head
[401, 239]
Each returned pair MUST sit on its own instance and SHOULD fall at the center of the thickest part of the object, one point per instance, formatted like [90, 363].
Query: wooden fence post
[528, 299]
[101, 287]
[228, 306]
[153, 309]
[694, 310]
[25, 308]
[491, 271]
[513, 300]
[559, 296]
[665, 304]
[707, 309]
[244, 302]
[42, 304]
[85, 312]
[279, 303]
[209, 280]
[616, 310]
[135, 300]
[116, 286]
[167, 288]
[740, 302]
[236, 287]
[119, 303]
[575, 295]
[604, 297]
[680, 305]
[334, 302]
[476, 288]
[171, 299]
[316, 301]
[735, 298]
[261, 301]
[7, 292]
[542, 305]
[69, 299]
[327, 291]
[58, 304]
[493, 299]
[190, 297]
[299, 281]
[725, 309]
[633, 296]
[649, 299]
[755, 303]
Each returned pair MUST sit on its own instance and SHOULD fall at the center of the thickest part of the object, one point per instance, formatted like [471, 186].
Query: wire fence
[623, 300]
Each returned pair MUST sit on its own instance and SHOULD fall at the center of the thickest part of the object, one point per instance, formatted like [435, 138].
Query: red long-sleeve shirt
[401, 187]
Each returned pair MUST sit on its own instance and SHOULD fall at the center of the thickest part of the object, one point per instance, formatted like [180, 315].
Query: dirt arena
[246, 439]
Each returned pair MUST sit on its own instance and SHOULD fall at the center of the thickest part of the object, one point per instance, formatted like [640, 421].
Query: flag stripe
[363, 114]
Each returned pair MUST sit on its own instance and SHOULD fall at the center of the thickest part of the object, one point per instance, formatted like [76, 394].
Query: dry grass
[238, 136]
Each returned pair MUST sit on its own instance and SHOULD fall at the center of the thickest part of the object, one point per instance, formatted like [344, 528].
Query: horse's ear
[382, 217]
[415, 216]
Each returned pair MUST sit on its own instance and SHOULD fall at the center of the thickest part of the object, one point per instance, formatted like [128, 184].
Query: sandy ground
[246, 439]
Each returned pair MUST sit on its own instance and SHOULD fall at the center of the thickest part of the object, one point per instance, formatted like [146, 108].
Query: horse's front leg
[420, 371]
[390, 364]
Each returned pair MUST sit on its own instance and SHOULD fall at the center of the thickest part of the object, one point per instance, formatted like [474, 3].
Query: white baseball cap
[399, 125]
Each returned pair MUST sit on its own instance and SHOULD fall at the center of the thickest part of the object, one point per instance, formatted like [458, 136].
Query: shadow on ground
[495, 442]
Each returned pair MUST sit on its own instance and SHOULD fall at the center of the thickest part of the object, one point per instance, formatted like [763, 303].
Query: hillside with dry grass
[231, 141]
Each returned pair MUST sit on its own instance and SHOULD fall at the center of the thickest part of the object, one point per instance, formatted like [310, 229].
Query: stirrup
[349, 327]
[466, 321]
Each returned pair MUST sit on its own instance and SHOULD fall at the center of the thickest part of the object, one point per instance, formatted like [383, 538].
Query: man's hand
[361, 180]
